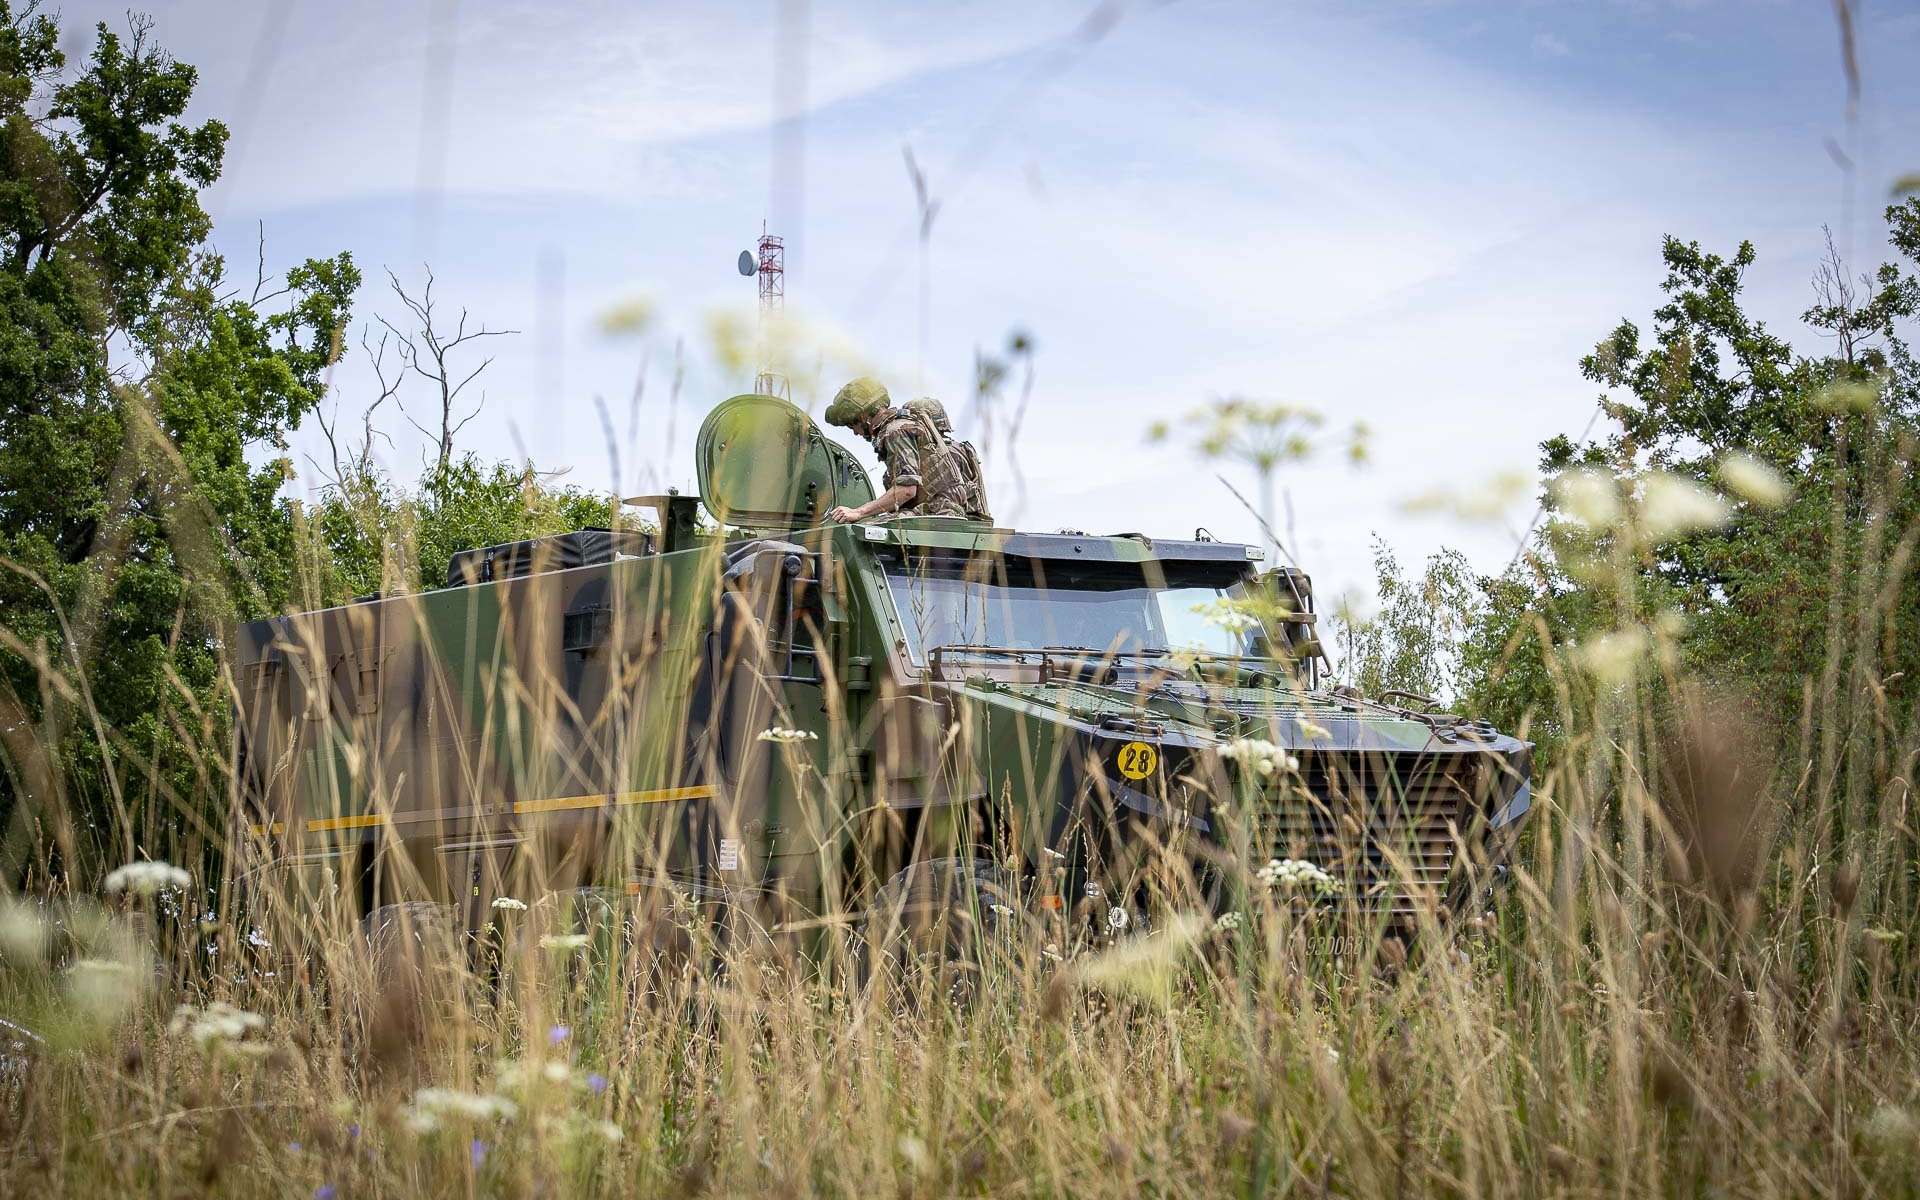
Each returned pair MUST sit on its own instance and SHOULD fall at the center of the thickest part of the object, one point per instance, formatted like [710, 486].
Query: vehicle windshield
[1109, 609]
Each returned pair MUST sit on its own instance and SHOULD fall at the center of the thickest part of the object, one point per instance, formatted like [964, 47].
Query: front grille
[1387, 827]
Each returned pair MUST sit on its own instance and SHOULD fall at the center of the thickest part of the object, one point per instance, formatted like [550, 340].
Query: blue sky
[1413, 215]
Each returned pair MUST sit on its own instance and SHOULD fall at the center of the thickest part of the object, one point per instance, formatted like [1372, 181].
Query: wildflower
[781, 734]
[558, 1034]
[563, 941]
[1001, 911]
[1750, 479]
[1050, 852]
[146, 878]
[477, 1153]
[1229, 921]
[1296, 874]
[1258, 755]
[325, 1191]
[437, 1102]
[258, 940]
[220, 1026]
[1673, 504]
[509, 904]
[1313, 730]
[1589, 495]
[596, 1083]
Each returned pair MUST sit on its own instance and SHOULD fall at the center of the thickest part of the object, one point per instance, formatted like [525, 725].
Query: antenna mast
[772, 272]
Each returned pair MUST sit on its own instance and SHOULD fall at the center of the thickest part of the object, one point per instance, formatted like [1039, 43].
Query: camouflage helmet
[932, 410]
[860, 398]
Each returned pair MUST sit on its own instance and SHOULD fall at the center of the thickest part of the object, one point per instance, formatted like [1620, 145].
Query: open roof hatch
[761, 461]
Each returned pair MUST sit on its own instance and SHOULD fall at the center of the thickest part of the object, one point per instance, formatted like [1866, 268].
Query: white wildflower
[1673, 504]
[1230, 921]
[1589, 495]
[1313, 730]
[474, 1106]
[1296, 874]
[217, 1026]
[258, 940]
[781, 734]
[568, 1126]
[1259, 756]
[563, 941]
[1750, 479]
[146, 878]
[509, 904]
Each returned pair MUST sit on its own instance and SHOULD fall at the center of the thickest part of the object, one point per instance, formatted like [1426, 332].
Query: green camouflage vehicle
[799, 721]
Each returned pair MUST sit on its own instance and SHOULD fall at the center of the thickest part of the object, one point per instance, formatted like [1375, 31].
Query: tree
[1801, 582]
[144, 403]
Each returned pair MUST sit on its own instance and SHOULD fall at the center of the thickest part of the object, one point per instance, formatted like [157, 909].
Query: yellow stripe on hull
[700, 791]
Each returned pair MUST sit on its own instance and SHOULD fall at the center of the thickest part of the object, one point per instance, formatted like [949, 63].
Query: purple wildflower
[558, 1034]
[596, 1083]
[324, 1192]
[478, 1153]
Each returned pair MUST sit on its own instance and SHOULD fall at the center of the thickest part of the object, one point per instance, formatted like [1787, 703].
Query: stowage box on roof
[557, 552]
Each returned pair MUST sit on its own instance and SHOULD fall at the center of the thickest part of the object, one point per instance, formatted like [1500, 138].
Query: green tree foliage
[375, 536]
[1413, 642]
[1786, 597]
[144, 407]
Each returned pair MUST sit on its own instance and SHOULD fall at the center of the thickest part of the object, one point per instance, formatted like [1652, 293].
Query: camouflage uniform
[966, 458]
[909, 446]
[913, 454]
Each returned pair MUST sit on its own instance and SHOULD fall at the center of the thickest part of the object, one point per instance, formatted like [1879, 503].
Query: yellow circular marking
[1137, 760]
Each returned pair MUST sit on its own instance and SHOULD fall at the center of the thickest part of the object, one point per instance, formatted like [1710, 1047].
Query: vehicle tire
[937, 928]
[411, 941]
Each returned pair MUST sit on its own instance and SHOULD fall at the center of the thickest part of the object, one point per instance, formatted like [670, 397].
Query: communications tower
[769, 266]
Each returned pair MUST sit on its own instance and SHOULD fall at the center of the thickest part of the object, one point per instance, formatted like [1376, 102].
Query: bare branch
[426, 352]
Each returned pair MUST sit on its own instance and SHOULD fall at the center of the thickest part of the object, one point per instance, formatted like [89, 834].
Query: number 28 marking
[1137, 760]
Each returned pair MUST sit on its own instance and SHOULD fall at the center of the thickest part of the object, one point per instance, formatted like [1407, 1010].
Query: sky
[1416, 216]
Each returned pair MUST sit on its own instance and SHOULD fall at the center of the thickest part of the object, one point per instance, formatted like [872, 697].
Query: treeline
[1748, 516]
[147, 396]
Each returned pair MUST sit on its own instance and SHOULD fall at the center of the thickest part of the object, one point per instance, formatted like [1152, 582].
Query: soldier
[965, 456]
[923, 476]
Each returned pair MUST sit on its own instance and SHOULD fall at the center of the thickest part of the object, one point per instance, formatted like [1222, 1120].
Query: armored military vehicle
[759, 710]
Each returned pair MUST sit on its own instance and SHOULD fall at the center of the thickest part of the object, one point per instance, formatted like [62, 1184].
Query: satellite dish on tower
[746, 262]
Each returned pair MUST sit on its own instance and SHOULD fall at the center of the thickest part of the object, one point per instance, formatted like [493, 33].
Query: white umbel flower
[784, 736]
[1259, 756]
[509, 904]
[1296, 875]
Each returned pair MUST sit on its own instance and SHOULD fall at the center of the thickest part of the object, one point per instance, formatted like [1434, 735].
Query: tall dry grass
[1699, 979]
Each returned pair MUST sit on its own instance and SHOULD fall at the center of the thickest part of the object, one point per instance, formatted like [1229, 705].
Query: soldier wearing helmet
[922, 477]
[934, 413]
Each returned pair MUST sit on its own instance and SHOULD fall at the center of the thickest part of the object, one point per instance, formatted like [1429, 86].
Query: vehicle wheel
[408, 942]
[937, 927]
